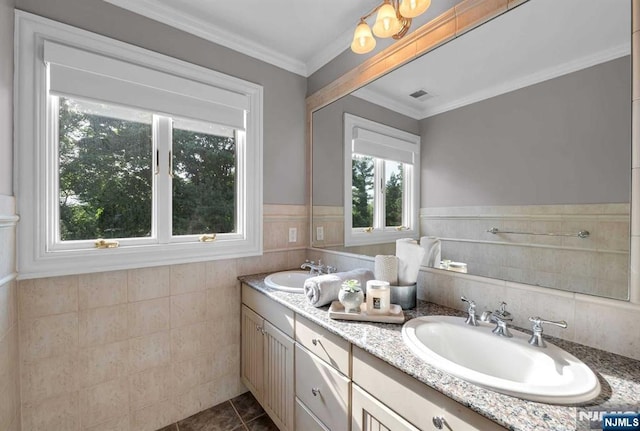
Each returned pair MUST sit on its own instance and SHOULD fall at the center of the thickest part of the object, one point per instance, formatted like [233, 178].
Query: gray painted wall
[328, 152]
[6, 97]
[566, 140]
[284, 92]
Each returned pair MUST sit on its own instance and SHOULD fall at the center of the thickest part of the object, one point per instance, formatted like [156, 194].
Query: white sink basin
[507, 365]
[288, 281]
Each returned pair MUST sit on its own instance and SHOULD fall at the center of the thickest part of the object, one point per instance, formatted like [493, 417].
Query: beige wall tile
[105, 401]
[189, 277]
[598, 329]
[102, 289]
[276, 235]
[188, 309]
[147, 317]
[9, 379]
[102, 363]
[225, 360]
[223, 301]
[222, 273]
[154, 417]
[48, 336]
[46, 296]
[57, 413]
[149, 351]
[193, 372]
[8, 306]
[49, 377]
[148, 283]
[103, 325]
[190, 341]
[116, 424]
[151, 386]
[195, 399]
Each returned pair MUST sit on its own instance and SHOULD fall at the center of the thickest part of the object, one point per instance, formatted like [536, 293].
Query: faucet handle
[536, 338]
[503, 313]
[471, 318]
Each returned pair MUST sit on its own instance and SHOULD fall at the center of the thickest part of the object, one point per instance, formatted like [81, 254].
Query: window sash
[162, 190]
[367, 138]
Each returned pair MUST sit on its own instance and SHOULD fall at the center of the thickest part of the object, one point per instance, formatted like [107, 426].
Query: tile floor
[242, 413]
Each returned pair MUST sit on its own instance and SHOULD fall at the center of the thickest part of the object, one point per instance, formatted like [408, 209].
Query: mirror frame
[463, 17]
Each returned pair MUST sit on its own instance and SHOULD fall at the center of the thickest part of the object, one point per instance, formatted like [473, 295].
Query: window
[382, 166]
[159, 158]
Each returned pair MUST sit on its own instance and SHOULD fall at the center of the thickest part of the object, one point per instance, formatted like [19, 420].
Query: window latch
[207, 237]
[401, 228]
[103, 243]
[368, 229]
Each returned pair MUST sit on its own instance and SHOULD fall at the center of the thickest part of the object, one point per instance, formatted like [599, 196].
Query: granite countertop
[619, 376]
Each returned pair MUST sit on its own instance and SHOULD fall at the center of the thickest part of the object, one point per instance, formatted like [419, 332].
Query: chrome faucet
[536, 339]
[472, 317]
[500, 317]
[317, 269]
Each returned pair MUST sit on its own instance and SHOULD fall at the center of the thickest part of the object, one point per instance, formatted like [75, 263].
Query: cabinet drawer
[369, 414]
[305, 420]
[412, 399]
[280, 316]
[323, 390]
[329, 347]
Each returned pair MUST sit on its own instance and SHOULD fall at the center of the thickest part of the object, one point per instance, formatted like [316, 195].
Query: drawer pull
[440, 422]
[315, 341]
[315, 392]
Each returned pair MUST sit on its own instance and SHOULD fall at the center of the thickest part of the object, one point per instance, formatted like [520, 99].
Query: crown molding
[329, 52]
[505, 87]
[532, 79]
[206, 30]
[388, 102]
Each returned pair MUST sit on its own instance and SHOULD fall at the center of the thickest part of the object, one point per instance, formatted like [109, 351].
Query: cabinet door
[277, 394]
[252, 351]
[369, 414]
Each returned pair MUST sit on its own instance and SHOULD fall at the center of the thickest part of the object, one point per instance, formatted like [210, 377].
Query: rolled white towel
[410, 256]
[386, 269]
[433, 248]
[324, 289]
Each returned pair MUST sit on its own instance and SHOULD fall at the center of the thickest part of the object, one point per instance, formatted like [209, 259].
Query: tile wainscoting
[9, 362]
[598, 263]
[601, 323]
[142, 348]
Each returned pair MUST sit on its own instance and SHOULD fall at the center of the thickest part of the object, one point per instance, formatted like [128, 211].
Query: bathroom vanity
[313, 373]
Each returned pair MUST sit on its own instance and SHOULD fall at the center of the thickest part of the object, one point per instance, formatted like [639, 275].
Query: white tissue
[410, 256]
[386, 269]
[432, 247]
[324, 289]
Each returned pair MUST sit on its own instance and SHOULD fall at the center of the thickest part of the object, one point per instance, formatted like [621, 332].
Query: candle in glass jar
[378, 297]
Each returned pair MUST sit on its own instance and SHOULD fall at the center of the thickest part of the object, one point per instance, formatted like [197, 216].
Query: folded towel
[410, 256]
[432, 247]
[386, 269]
[324, 289]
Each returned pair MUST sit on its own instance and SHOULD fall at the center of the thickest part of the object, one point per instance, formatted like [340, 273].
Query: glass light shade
[363, 40]
[387, 23]
[413, 8]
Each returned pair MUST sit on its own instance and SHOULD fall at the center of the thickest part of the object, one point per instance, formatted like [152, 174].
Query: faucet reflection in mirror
[393, 20]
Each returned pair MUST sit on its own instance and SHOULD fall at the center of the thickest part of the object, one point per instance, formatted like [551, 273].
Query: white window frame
[35, 181]
[397, 144]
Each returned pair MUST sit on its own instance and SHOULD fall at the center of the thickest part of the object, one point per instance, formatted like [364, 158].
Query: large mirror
[525, 131]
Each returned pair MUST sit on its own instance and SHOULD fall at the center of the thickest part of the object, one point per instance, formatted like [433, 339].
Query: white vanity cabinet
[267, 356]
[412, 401]
[323, 386]
[369, 414]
